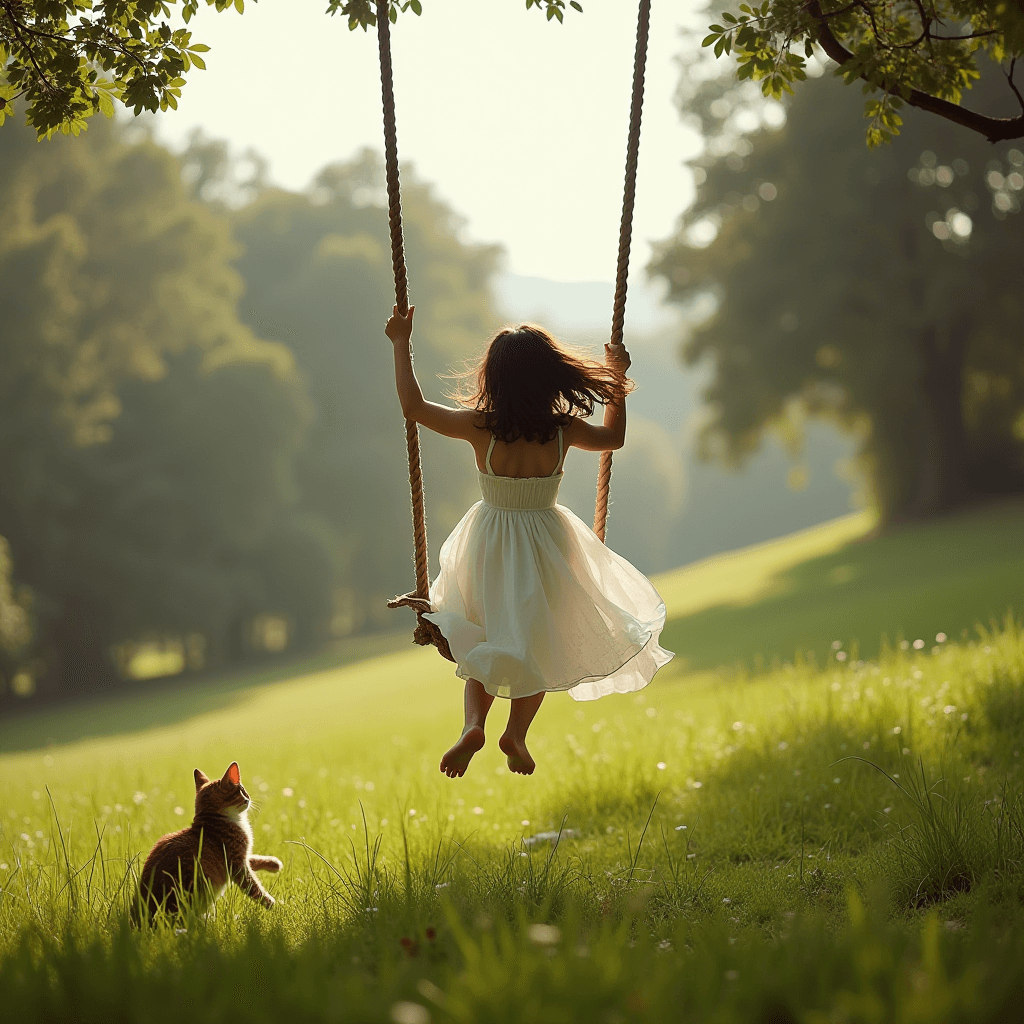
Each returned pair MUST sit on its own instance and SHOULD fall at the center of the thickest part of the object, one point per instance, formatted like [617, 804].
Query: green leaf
[576, 6]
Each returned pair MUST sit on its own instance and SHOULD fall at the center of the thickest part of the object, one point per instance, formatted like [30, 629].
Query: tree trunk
[942, 470]
[80, 660]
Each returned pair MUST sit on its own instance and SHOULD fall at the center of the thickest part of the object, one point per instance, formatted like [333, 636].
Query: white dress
[530, 600]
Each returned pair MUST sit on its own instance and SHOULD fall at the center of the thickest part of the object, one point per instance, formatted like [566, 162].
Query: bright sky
[521, 124]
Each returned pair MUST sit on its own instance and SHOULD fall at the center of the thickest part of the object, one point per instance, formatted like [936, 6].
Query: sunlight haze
[519, 123]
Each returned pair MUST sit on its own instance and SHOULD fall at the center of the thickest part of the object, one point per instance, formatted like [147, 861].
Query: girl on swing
[528, 598]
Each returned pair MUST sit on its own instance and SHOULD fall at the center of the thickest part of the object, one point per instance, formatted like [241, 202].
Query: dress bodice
[521, 493]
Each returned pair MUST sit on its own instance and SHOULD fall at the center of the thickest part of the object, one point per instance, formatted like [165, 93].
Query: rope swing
[643, 26]
[419, 599]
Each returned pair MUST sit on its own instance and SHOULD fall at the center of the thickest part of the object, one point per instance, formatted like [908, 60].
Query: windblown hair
[528, 384]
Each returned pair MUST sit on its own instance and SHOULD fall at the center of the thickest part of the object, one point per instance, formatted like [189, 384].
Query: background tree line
[168, 474]
[882, 290]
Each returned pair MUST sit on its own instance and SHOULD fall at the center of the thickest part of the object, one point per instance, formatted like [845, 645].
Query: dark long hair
[528, 384]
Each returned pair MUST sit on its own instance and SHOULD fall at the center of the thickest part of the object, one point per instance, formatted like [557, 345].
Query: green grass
[851, 849]
[841, 581]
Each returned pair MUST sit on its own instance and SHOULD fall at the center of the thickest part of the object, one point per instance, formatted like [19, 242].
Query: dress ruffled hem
[635, 670]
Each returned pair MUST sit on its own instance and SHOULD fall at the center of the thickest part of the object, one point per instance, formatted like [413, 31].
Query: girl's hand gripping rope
[399, 328]
[617, 357]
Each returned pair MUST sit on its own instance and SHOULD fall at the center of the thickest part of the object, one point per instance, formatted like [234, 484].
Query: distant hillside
[838, 581]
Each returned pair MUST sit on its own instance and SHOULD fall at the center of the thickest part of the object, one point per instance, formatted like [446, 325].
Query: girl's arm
[450, 422]
[611, 435]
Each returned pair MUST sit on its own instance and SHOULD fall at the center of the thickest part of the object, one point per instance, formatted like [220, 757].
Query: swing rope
[643, 24]
[419, 600]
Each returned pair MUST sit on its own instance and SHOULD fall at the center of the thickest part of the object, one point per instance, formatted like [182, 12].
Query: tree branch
[1012, 84]
[995, 129]
[27, 47]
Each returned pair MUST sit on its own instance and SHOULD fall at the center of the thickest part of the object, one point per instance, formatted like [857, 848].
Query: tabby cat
[218, 843]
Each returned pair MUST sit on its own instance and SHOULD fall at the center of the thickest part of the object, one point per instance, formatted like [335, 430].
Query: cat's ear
[201, 779]
[232, 775]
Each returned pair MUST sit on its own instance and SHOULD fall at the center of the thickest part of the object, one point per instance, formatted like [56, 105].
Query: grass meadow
[814, 814]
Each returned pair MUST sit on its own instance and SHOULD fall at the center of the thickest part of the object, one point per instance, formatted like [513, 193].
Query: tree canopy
[925, 53]
[66, 60]
[881, 290]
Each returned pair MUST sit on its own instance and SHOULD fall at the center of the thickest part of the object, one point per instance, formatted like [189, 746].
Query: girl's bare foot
[518, 756]
[456, 761]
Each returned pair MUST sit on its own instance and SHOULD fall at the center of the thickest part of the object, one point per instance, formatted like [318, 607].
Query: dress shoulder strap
[561, 454]
[487, 459]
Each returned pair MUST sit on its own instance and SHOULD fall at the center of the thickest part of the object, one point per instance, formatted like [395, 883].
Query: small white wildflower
[731, 975]
[918, 645]
[836, 781]
[410, 1013]
[478, 810]
[783, 745]
[661, 766]
[680, 828]
[287, 791]
[837, 645]
[737, 726]
[179, 810]
[897, 729]
[412, 812]
[949, 709]
[940, 638]
[841, 656]
[544, 934]
[886, 810]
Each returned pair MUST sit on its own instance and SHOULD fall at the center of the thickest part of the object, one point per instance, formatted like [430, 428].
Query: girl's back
[521, 458]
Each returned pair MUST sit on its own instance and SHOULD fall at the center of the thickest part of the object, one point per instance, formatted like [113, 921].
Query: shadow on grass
[174, 700]
[912, 582]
